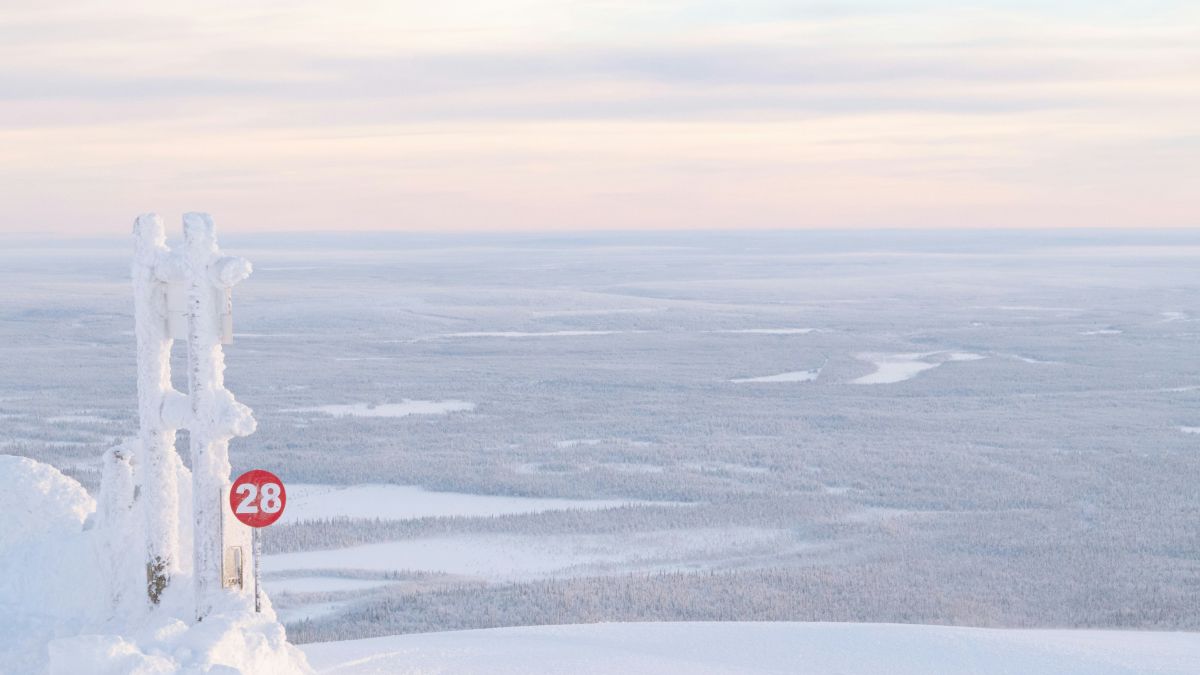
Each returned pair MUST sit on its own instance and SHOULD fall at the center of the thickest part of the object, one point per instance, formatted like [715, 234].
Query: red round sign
[257, 498]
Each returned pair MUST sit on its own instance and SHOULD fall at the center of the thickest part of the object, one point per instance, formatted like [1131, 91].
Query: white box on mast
[237, 551]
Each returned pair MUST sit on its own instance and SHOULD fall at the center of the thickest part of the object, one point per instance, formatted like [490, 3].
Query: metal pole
[257, 554]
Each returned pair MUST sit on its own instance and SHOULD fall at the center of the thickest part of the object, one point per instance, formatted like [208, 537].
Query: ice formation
[138, 583]
[216, 416]
[72, 589]
[153, 268]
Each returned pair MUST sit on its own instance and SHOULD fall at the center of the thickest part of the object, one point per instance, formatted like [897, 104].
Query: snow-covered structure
[187, 294]
[151, 575]
[216, 417]
[154, 269]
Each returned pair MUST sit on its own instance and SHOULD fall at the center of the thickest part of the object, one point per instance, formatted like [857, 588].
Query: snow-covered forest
[989, 430]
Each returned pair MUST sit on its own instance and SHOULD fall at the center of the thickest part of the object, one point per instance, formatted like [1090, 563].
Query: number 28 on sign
[257, 498]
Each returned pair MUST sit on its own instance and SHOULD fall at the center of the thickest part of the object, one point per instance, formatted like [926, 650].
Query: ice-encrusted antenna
[157, 486]
[216, 415]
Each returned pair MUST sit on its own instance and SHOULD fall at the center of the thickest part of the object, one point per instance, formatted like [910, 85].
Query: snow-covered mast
[176, 295]
[216, 415]
[153, 269]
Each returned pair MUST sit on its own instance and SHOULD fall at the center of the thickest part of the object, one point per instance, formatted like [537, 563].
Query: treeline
[1022, 567]
[818, 514]
[893, 592]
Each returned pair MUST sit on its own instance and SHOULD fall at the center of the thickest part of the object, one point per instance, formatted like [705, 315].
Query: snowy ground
[762, 648]
[309, 502]
[495, 557]
[892, 368]
[526, 557]
[72, 596]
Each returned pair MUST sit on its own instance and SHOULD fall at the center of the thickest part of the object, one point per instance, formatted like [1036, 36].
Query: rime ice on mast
[153, 269]
[188, 295]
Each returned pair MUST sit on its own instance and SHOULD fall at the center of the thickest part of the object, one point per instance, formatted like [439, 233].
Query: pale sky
[561, 115]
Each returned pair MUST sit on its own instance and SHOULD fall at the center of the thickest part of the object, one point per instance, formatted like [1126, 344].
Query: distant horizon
[234, 229]
[584, 115]
[848, 239]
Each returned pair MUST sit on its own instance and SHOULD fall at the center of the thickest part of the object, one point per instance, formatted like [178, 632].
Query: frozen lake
[397, 502]
[892, 368]
[793, 376]
[522, 557]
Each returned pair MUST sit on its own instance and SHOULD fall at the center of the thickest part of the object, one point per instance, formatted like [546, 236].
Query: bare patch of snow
[892, 368]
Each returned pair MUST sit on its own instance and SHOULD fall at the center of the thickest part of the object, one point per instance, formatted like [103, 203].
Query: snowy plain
[791, 376]
[311, 502]
[762, 648]
[966, 455]
[72, 596]
[507, 558]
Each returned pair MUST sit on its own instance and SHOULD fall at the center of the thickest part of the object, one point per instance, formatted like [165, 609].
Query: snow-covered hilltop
[72, 602]
[152, 575]
[57, 616]
[731, 648]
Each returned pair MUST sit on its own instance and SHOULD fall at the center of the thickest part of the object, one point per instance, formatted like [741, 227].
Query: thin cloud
[542, 114]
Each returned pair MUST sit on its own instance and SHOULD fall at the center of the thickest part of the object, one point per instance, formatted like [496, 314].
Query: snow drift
[71, 600]
[766, 648]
